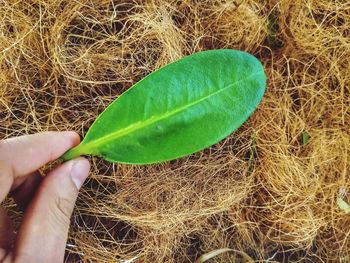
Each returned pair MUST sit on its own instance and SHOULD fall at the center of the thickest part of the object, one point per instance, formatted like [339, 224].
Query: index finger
[23, 155]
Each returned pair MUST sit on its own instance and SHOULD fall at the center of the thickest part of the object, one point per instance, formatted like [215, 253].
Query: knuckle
[61, 212]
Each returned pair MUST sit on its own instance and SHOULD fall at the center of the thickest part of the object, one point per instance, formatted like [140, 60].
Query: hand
[48, 201]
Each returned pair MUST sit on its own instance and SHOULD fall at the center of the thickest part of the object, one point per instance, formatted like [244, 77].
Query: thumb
[44, 231]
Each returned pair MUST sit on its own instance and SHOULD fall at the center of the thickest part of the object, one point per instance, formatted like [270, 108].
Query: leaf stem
[72, 153]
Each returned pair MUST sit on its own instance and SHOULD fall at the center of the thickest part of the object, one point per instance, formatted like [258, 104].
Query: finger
[44, 231]
[8, 258]
[6, 233]
[6, 179]
[3, 254]
[25, 192]
[23, 155]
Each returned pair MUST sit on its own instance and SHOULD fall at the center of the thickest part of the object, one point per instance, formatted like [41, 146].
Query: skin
[48, 201]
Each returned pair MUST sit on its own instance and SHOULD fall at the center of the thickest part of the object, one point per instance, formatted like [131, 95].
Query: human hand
[48, 201]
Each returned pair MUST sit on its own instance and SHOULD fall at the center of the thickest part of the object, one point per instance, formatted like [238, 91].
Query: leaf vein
[142, 124]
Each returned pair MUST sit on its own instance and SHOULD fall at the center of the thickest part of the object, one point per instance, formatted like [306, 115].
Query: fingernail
[80, 171]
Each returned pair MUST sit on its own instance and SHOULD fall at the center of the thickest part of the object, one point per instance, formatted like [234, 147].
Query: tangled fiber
[269, 190]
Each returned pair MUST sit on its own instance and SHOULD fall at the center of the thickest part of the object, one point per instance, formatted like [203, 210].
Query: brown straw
[269, 190]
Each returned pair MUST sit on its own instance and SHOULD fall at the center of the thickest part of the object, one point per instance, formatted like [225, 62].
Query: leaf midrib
[137, 126]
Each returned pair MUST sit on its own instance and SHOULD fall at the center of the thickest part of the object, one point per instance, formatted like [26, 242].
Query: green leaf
[343, 205]
[273, 30]
[177, 110]
[305, 138]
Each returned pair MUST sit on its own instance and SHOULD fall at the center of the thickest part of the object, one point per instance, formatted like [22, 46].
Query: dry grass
[261, 191]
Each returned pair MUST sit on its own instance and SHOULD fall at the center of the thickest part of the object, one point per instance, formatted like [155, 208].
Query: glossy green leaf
[177, 110]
